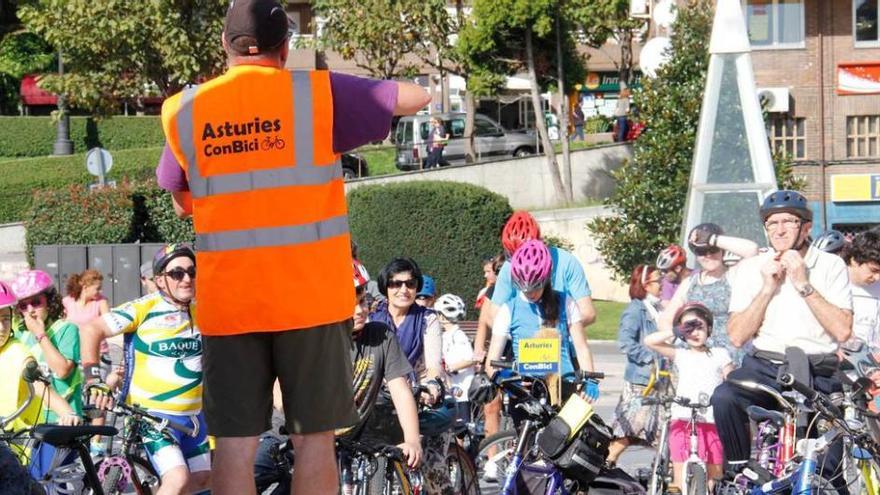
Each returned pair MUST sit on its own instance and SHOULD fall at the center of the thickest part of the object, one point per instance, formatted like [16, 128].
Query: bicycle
[366, 469]
[14, 474]
[694, 474]
[801, 478]
[130, 468]
[525, 461]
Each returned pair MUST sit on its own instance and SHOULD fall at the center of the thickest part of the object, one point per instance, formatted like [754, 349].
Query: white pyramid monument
[732, 169]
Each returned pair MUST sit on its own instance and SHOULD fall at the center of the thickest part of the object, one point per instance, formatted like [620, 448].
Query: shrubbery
[446, 227]
[131, 212]
[33, 136]
[23, 177]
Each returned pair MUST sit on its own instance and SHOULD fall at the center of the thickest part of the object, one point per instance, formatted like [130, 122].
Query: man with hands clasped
[790, 296]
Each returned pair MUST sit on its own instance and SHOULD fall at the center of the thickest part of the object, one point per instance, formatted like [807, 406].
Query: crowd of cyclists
[744, 312]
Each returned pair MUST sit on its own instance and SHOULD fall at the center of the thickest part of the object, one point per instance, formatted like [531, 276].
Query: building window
[787, 135]
[775, 23]
[865, 23]
[863, 136]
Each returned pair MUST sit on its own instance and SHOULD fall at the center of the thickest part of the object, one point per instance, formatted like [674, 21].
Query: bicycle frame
[694, 457]
[517, 465]
[785, 447]
[800, 480]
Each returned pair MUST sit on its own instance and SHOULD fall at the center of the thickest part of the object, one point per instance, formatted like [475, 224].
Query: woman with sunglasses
[539, 311]
[633, 421]
[417, 328]
[710, 284]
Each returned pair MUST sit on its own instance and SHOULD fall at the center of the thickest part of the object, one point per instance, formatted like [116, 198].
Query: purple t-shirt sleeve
[169, 173]
[667, 289]
[362, 110]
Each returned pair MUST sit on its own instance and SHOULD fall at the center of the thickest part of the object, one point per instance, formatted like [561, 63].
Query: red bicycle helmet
[361, 277]
[520, 227]
[671, 257]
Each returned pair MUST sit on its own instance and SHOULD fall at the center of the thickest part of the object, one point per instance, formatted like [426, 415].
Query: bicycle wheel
[462, 473]
[696, 479]
[390, 478]
[504, 443]
[660, 475]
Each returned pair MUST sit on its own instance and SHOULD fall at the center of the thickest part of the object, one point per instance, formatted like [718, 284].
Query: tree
[379, 35]
[117, 50]
[648, 203]
[21, 53]
[508, 36]
[600, 20]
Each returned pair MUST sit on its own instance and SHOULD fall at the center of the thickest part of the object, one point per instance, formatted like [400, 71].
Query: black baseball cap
[255, 26]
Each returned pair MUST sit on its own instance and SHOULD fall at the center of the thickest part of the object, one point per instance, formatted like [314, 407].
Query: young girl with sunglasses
[54, 344]
[50, 339]
[705, 368]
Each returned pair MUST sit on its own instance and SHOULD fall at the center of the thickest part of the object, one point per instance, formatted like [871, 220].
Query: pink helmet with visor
[31, 282]
[7, 297]
[530, 266]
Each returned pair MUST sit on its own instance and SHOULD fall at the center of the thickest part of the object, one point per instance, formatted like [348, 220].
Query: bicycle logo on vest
[245, 141]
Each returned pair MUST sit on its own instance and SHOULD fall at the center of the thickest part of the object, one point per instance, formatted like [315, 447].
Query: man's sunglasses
[177, 274]
[35, 302]
[409, 283]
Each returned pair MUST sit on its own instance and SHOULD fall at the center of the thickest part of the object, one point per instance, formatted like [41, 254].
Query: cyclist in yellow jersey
[163, 367]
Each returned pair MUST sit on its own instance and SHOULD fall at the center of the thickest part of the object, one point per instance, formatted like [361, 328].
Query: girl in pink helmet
[49, 338]
[536, 308]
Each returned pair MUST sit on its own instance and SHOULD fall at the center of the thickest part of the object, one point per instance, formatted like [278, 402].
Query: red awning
[32, 95]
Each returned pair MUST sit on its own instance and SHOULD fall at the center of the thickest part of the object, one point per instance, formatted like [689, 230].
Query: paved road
[607, 359]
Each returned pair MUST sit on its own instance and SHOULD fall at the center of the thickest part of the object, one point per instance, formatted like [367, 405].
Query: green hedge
[131, 212]
[447, 227]
[21, 178]
[33, 136]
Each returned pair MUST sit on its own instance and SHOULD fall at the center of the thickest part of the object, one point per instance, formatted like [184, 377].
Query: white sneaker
[490, 471]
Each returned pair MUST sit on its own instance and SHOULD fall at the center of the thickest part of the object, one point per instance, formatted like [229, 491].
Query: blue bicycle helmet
[786, 200]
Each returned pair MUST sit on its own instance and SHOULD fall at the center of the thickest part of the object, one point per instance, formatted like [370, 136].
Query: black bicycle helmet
[830, 241]
[170, 251]
[786, 200]
[482, 390]
[705, 233]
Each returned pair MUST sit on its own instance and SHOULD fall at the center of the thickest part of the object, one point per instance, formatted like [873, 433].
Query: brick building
[819, 61]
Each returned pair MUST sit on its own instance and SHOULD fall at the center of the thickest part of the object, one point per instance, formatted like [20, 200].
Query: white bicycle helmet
[830, 241]
[451, 307]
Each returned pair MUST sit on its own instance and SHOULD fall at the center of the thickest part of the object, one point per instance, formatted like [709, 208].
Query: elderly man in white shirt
[789, 296]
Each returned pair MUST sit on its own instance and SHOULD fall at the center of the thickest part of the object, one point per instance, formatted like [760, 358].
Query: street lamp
[63, 145]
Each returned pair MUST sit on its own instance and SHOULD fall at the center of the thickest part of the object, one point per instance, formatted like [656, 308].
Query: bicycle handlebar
[508, 365]
[822, 402]
[159, 422]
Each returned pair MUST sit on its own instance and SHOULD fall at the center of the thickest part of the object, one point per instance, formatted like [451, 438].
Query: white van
[490, 140]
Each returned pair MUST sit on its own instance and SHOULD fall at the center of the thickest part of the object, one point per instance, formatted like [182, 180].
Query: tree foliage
[649, 201]
[600, 20]
[118, 50]
[511, 36]
[381, 36]
[21, 53]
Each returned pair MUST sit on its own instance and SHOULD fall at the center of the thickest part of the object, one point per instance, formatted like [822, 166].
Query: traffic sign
[98, 161]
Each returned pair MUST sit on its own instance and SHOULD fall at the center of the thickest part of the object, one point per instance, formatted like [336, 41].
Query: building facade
[817, 67]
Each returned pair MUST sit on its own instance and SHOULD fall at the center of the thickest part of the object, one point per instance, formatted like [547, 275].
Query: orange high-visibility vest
[272, 242]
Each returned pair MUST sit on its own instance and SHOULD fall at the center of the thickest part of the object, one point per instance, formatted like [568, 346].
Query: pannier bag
[577, 444]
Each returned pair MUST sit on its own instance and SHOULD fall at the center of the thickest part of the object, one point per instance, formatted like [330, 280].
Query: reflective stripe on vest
[305, 173]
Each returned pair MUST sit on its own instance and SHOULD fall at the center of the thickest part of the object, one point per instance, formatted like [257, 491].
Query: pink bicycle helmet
[31, 282]
[530, 266]
[7, 297]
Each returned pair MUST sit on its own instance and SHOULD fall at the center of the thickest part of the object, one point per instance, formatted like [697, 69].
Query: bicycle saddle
[66, 436]
[758, 414]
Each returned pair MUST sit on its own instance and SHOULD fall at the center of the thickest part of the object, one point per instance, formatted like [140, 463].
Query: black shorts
[314, 370]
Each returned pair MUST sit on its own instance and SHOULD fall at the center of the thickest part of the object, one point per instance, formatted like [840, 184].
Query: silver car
[490, 140]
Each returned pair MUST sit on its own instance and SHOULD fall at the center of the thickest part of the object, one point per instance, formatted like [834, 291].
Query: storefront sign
[858, 78]
[855, 187]
[538, 356]
[607, 82]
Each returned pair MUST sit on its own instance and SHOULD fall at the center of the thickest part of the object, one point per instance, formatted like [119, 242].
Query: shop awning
[32, 95]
